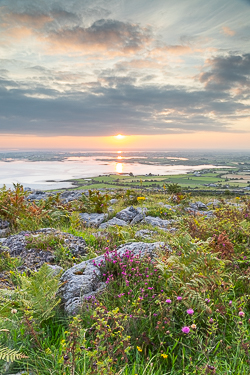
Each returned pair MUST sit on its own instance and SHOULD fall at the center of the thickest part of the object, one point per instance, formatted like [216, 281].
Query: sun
[119, 136]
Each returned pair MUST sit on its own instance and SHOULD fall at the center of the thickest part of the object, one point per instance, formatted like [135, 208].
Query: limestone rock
[137, 219]
[4, 227]
[56, 270]
[92, 220]
[127, 214]
[142, 210]
[83, 280]
[4, 232]
[158, 222]
[113, 201]
[198, 206]
[37, 195]
[144, 233]
[4, 224]
[34, 258]
[214, 203]
[113, 222]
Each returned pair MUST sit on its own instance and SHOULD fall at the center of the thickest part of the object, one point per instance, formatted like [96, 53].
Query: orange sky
[199, 140]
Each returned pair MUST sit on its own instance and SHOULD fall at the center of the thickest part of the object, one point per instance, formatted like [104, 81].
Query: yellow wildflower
[164, 356]
[139, 349]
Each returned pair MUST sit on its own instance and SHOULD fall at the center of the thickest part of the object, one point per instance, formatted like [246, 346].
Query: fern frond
[10, 355]
[38, 293]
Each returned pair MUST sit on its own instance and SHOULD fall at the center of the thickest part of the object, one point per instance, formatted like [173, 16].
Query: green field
[188, 181]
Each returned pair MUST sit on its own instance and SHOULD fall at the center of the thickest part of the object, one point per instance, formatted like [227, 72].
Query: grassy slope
[157, 344]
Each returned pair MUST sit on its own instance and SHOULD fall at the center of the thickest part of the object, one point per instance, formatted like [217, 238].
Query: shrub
[173, 188]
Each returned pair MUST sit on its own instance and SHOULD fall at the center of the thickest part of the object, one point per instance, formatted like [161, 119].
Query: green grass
[135, 325]
[184, 180]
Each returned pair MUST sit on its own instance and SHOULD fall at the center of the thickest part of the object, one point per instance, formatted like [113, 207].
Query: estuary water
[46, 175]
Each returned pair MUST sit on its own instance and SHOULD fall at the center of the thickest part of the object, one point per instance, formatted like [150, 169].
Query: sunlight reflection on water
[119, 168]
[54, 174]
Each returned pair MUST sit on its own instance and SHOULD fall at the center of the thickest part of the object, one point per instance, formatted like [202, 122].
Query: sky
[163, 73]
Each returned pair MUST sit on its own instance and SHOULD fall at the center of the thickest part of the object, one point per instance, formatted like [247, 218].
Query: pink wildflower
[185, 329]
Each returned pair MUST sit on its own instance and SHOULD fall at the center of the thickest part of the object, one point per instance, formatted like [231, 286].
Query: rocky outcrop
[4, 227]
[37, 195]
[84, 279]
[34, 258]
[128, 214]
[92, 220]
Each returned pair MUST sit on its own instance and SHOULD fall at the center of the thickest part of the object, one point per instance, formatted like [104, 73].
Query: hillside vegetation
[183, 310]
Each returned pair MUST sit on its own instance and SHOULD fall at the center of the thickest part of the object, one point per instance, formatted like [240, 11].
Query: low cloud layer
[120, 107]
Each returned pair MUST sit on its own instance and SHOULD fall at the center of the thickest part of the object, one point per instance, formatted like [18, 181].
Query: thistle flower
[190, 311]
[241, 313]
[185, 329]
[168, 300]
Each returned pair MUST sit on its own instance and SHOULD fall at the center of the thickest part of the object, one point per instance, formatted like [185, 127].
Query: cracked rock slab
[84, 279]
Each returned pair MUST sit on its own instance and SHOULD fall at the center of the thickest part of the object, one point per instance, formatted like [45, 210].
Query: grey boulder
[127, 214]
[4, 232]
[142, 210]
[137, 219]
[113, 201]
[198, 206]
[4, 227]
[113, 222]
[158, 222]
[92, 220]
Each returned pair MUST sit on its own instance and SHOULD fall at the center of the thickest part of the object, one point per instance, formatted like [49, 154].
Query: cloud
[119, 107]
[123, 68]
[171, 49]
[227, 31]
[101, 35]
[30, 20]
[64, 31]
[227, 72]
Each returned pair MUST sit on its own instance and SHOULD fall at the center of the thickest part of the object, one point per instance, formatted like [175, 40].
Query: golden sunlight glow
[119, 157]
[164, 141]
[119, 136]
[119, 167]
